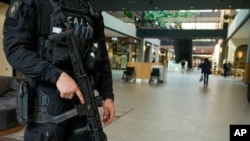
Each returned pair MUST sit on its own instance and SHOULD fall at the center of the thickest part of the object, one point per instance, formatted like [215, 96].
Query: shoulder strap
[92, 11]
[59, 12]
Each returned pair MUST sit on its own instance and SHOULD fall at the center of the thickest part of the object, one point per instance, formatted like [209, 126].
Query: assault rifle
[92, 102]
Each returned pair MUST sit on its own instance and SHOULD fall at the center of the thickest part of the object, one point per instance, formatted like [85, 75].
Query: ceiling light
[114, 38]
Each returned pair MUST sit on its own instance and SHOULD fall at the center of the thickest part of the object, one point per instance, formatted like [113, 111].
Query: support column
[223, 54]
[183, 50]
[247, 70]
[247, 67]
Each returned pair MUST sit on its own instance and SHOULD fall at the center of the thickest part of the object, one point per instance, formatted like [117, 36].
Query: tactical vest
[80, 21]
[56, 51]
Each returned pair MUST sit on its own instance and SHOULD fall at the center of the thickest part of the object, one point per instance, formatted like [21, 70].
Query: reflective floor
[178, 110]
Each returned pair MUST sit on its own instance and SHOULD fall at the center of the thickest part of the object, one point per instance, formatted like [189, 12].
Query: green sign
[128, 13]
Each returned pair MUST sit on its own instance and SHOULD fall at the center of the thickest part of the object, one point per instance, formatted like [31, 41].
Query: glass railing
[178, 19]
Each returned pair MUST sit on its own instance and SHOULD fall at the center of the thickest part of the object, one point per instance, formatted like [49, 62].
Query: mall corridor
[178, 110]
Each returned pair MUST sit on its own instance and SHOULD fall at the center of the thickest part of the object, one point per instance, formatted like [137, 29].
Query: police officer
[27, 26]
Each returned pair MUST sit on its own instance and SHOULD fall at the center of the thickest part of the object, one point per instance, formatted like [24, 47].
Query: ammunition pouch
[63, 19]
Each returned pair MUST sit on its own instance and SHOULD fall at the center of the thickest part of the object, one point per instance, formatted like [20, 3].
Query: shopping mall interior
[144, 35]
[166, 33]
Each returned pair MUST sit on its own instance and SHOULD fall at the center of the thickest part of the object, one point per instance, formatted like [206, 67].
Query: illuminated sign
[128, 13]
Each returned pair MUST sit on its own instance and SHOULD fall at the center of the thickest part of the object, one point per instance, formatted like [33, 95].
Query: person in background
[225, 67]
[215, 66]
[206, 70]
[229, 67]
[27, 27]
[183, 62]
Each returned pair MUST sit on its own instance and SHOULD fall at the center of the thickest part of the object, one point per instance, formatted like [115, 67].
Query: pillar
[247, 67]
[247, 70]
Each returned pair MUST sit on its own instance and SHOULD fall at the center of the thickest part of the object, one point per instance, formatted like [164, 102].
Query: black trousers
[45, 131]
[206, 76]
[54, 132]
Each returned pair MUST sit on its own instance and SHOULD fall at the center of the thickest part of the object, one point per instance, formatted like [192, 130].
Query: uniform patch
[13, 8]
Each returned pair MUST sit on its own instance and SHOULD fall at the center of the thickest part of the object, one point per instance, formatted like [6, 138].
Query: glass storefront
[122, 50]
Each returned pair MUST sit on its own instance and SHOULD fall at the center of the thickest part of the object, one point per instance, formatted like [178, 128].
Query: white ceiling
[110, 33]
[243, 32]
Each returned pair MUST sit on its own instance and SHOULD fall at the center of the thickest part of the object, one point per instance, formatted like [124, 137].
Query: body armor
[55, 48]
[80, 21]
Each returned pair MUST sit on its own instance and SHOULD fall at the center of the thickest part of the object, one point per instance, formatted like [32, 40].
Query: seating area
[8, 103]
[129, 74]
[155, 76]
[235, 72]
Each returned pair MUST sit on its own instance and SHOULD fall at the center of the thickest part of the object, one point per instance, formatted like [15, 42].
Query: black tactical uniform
[26, 29]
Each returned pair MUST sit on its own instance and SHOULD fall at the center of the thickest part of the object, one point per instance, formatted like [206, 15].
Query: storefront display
[122, 50]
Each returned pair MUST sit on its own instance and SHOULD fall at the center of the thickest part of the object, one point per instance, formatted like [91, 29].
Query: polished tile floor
[178, 110]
